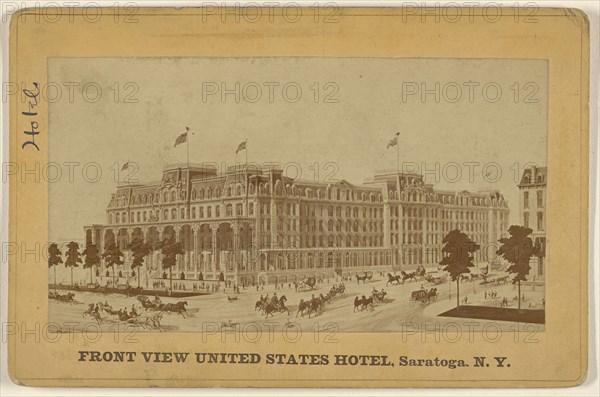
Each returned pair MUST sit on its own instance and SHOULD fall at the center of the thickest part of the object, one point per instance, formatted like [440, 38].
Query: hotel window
[173, 213]
[209, 212]
[251, 208]
[194, 212]
[201, 212]
[526, 219]
[540, 221]
[526, 199]
[144, 216]
[117, 218]
[182, 214]
[239, 209]
[229, 210]
[540, 199]
[217, 211]
[166, 214]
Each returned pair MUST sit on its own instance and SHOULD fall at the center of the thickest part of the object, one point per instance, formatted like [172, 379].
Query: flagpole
[246, 175]
[398, 192]
[189, 191]
[187, 145]
[398, 152]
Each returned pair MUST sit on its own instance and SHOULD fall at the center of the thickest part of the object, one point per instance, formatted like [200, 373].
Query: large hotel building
[252, 224]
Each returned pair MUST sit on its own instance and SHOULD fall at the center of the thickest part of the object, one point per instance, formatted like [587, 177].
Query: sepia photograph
[361, 192]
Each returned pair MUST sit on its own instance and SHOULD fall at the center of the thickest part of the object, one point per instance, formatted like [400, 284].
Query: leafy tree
[91, 259]
[170, 248]
[54, 258]
[518, 250]
[113, 256]
[458, 252]
[73, 258]
[139, 250]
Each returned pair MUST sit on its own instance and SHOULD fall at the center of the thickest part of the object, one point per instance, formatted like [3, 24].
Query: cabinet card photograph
[345, 197]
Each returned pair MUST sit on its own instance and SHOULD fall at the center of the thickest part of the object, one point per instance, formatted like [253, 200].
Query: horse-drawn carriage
[307, 284]
[69, 297]
[368, 275]
[435, 279]
[422, 297]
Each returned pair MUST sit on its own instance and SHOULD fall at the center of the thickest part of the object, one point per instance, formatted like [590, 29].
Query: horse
[357, 303]
[408, 276]
[230, 299]
[278, 307]
[362, 278]
[178, 308]
[432, 294]
[365, 302]
[92, 312]
[315, 305]
[302, 306]
[153, 322]
[392, 279]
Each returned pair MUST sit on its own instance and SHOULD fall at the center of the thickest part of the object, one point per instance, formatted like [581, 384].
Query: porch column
[214, 228]
[194, 251]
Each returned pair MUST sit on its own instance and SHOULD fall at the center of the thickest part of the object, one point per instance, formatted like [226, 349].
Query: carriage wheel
[414, 303]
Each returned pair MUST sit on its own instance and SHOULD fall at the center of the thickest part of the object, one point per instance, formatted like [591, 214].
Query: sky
[336, 115]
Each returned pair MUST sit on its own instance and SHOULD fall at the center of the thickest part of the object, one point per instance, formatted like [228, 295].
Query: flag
[125, 166]
[393, 142]
[241, 146]
[181, 139]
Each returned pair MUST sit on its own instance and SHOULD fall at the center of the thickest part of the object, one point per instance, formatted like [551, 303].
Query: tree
[113, 256]
[139, 250]
[518, 250]
[170, 248]
[73, 258]
[91, 259]
[458, 252]
[54, 258]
